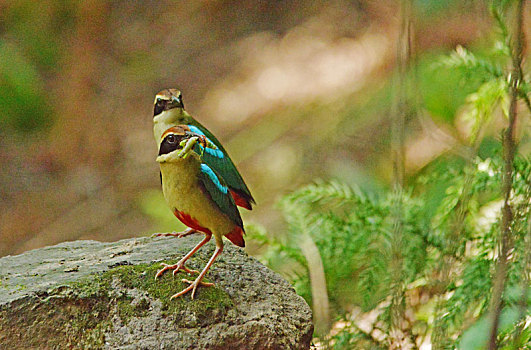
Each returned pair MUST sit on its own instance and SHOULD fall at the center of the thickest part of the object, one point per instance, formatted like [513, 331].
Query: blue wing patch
[196, 130]
[213, 152]
[213, 177]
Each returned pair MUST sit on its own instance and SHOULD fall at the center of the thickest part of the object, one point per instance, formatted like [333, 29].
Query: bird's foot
[187, 232]
[176, 268]
[192, 287]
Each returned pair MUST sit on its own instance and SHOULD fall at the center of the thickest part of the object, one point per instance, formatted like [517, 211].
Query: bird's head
[167, 99]
[177, 142]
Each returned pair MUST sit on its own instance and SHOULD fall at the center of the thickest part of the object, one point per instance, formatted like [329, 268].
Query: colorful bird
[169, 111]
[198, 197]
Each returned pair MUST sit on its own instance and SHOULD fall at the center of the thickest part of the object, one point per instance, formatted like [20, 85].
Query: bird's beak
[176, 102]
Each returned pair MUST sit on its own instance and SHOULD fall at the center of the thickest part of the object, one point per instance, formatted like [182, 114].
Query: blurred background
[296, 90]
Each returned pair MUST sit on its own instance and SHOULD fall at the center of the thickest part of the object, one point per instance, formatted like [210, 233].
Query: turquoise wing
[219, 192]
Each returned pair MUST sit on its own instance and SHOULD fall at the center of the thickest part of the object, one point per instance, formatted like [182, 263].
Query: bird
[198, 196]
[169, 111]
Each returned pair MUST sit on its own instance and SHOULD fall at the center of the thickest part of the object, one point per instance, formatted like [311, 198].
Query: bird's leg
[180, 264]
[187, 232]
[193, 285]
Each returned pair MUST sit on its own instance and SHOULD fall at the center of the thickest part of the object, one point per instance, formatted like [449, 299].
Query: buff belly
[183, 193]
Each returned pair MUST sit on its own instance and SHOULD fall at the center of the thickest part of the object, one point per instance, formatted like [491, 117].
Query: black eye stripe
[159, 108]
[170, 143]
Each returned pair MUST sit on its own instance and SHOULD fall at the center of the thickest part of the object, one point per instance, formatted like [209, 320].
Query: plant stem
[403, 109]
[525, 280]
[321, 309]
[509, 150]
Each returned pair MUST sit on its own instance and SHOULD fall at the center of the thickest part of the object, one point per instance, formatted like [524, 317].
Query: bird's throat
[165, 120]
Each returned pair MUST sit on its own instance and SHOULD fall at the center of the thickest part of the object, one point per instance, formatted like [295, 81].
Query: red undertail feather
[240, 200]
[190, 222]
[236, 236]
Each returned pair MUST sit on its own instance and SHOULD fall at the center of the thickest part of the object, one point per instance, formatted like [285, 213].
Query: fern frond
[323, 193]
[482, 104]
[466, 61]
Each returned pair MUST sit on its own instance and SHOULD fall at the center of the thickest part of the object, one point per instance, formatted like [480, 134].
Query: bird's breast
[179, 179]
[185, 195]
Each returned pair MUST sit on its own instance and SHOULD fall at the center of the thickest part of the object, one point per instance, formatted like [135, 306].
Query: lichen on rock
[86, 294]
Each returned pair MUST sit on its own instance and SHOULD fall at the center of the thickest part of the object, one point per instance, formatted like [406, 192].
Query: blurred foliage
[22, 93]
[450, 223]
[153, 204]
[359, 229]
[29, 51]
[353, 231]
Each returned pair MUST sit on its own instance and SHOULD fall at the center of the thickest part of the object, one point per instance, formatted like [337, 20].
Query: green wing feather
[223, 166]
[217, 189]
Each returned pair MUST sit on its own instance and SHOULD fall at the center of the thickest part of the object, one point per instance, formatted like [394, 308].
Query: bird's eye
[159, 106]
[171, 139]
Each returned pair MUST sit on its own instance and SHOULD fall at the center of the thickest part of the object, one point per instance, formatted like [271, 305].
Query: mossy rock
[91, 295]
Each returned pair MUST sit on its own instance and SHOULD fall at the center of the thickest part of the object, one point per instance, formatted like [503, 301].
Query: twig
[403, 109]
[321, 309]
[509, 150]
[525, 278]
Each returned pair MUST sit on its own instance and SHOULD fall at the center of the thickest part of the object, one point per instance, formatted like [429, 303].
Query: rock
[92, 295]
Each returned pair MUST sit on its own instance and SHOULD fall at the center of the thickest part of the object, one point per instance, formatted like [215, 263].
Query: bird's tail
[241, 200]
[236, 236]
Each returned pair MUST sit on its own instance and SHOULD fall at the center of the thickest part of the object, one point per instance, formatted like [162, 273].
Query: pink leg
[193, 285]
[187, 232]
[180, 264]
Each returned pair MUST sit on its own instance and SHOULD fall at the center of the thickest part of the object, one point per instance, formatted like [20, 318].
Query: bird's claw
[192, 287]
[187, 232]
[166, 234]
[206, 284]
[185, 269]
[176, 268]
